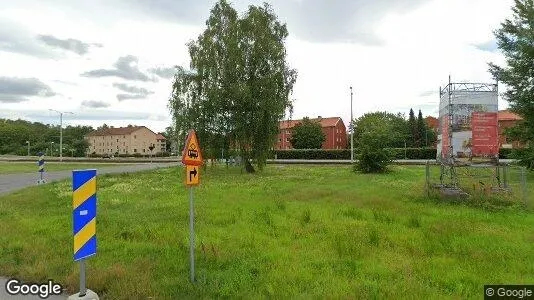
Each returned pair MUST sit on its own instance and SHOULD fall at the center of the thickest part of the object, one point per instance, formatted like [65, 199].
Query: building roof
[506, 115]
[159, 136]
[116, 131]
[432, 122]
[325, 122]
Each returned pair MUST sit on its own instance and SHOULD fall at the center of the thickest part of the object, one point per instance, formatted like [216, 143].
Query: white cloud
[421, 44]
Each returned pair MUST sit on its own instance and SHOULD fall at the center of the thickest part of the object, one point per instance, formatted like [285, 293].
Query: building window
[117, 140]
[123, 136]
[287, 140]
[135, 150]
[143, 150]
[135, 136]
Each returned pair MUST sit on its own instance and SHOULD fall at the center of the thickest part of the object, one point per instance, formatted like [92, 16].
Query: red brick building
[432, 123]
[333, 129]
[507, 119]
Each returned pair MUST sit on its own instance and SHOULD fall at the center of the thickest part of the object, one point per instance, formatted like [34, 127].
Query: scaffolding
[463, 108]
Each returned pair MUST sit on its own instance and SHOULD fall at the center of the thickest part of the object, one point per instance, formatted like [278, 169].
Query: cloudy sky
[112, 61]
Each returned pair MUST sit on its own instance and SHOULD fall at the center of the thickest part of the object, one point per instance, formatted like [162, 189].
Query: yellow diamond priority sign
[191, 155]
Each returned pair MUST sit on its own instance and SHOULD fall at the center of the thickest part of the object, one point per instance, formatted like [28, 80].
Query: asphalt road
[12, 182]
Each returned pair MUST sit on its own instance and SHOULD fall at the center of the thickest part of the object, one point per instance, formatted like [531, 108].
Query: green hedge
[414, 153]
[136, 155]
[311, 154]
[398, 153]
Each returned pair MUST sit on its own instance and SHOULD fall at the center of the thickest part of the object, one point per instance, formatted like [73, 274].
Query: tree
[395, 124]
[375, 133]
[15, 133]
[515, 38]
[421, 128]
[412, 129]
[105, 126]
[307, 135]
[238, 86]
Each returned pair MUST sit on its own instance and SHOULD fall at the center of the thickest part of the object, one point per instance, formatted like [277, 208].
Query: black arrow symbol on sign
[194, 173]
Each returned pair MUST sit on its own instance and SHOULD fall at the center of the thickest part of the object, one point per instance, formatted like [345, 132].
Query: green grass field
[289, 231]
[29, 167]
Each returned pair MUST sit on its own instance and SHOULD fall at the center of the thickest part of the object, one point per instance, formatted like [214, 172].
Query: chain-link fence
[502, 184]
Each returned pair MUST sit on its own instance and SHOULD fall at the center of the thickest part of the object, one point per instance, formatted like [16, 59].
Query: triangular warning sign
[192, 155]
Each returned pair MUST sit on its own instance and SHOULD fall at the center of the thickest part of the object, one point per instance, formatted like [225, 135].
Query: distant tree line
[401, 132]
[15, 135]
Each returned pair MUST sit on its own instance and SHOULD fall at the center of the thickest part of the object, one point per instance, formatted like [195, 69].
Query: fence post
[524, 184]
[498, 174]
[505, 175]
[427, 174]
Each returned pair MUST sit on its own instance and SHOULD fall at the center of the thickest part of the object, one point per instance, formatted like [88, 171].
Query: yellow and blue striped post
[84, 218]
[41, 163]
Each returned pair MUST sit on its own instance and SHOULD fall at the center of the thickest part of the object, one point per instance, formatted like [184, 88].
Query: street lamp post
[61, 131]
[28, 142]
[351, 130]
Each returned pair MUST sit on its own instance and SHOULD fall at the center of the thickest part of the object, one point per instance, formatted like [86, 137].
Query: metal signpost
[41, 163]
[192, 159]
[84, 224]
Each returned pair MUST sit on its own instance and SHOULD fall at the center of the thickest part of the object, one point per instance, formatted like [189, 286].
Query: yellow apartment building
[125, 140]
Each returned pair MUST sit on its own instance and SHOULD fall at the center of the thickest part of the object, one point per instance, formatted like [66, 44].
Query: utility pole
[351, 130]
[61, 131]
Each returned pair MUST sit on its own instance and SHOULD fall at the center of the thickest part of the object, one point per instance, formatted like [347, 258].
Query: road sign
[192, 175]
[192, 155]
[84, 213]
[41, 162]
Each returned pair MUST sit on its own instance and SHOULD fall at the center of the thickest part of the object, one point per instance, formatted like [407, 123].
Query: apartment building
[125, 140]
[333, 129]
[507, 119]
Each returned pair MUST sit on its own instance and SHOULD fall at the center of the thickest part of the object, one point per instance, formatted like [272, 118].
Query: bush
[311, 154]
[398, 153]
[373, 160]
[414, 153]
[162, 154]
[525, 157]
[505, 153]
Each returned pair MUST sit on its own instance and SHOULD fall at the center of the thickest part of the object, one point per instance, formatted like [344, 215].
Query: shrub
[373, 160]
[311, 154]
[163, 154]
[414, 153]
[525, 157]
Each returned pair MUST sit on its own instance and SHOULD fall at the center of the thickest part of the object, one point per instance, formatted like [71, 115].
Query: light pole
[51, 148]
[28, 142]
[351, 130]
[61, 131]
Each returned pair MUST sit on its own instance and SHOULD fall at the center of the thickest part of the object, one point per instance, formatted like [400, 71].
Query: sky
[112, 61]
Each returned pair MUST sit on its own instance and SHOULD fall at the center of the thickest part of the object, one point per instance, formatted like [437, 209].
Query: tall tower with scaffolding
[468, 128]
